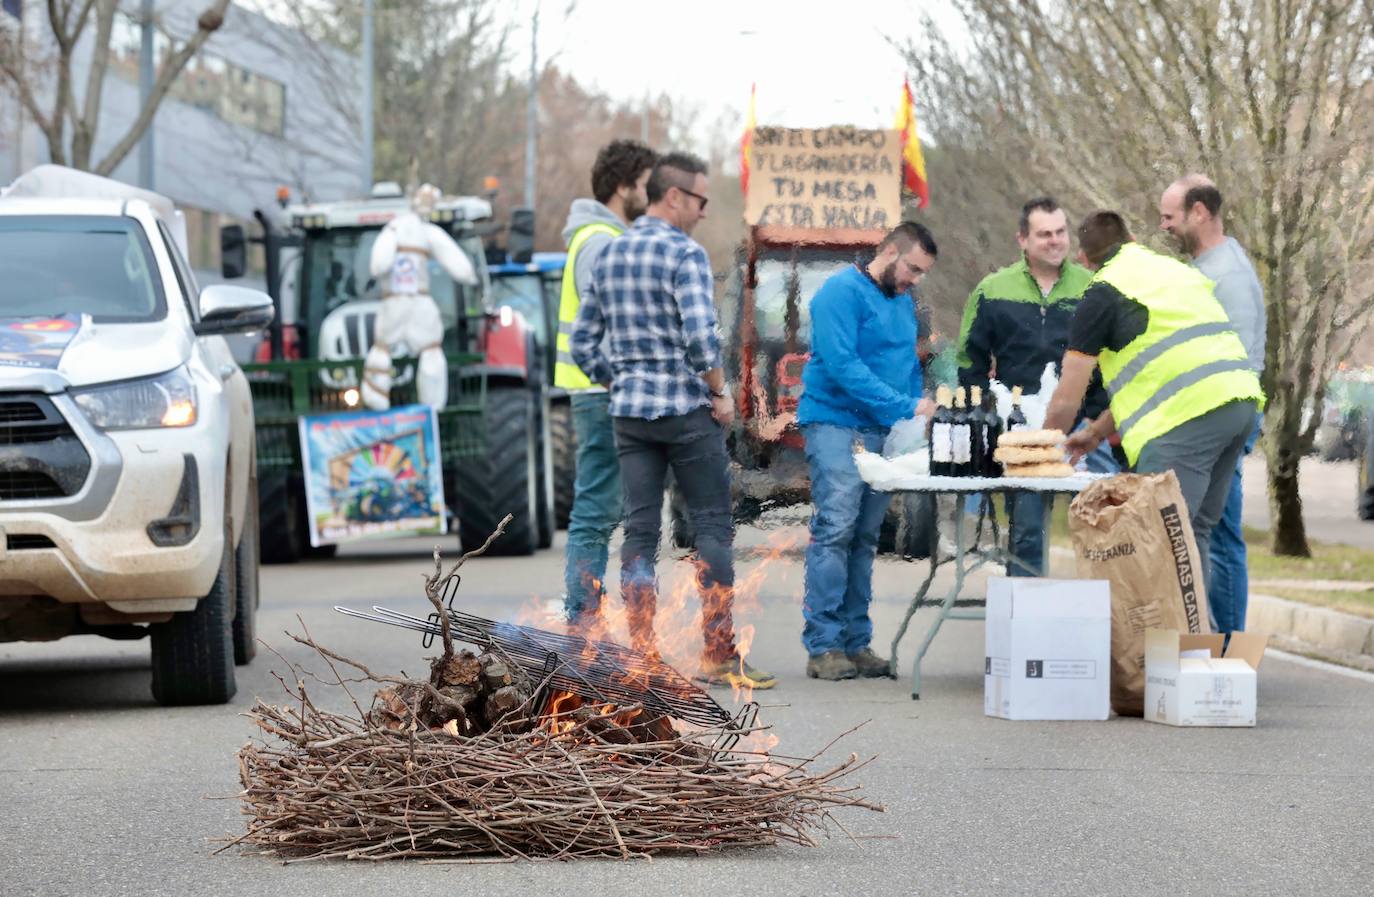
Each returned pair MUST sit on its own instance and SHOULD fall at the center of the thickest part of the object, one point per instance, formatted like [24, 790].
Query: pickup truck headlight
[167, 400]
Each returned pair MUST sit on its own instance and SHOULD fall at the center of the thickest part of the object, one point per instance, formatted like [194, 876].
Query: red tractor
[765, 319]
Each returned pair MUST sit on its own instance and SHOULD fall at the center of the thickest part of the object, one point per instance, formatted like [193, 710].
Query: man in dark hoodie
[619, 178]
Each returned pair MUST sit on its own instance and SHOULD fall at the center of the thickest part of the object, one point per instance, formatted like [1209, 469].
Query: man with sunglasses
[651, 297]
[863, 377]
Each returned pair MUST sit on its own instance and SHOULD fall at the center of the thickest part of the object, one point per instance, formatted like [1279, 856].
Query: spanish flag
[913, 163]
[746, 143]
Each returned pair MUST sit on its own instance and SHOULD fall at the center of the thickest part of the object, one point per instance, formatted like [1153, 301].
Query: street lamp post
[146, 65]
[532, 111]
[367, 126]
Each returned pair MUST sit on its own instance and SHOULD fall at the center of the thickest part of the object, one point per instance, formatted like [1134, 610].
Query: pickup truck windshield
[100, 265]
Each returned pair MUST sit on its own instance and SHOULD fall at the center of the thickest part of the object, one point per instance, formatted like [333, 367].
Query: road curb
[1315, 631]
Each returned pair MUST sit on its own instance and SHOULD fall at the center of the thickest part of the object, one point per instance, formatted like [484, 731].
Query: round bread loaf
[1058, 469]
[1038, 454]
[1023, 438]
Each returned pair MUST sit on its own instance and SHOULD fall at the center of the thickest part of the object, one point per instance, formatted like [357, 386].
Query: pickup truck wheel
[564, 439]
[193, 653]
[246, 594]
[504, 478]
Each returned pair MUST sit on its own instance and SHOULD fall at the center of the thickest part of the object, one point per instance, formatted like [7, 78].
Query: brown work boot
[870, 665]
[831, 665]
[734, 672]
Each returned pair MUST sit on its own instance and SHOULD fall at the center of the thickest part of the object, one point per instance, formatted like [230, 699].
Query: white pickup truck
[127, 472]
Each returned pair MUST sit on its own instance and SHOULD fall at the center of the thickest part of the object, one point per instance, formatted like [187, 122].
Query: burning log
[478, 761]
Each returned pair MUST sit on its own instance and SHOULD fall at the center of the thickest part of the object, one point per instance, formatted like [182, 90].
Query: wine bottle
[991, 434]
[941, 446]
[961, 438]
[978, 430]
[1016, 420]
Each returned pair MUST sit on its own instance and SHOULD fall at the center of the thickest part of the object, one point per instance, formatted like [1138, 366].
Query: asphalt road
[106, 794]
[1328, 500]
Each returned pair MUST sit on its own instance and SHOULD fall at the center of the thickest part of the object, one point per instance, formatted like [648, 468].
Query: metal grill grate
[598, 671]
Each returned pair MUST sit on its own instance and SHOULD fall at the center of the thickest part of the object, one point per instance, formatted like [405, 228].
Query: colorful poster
[373, 474]
[36, 342]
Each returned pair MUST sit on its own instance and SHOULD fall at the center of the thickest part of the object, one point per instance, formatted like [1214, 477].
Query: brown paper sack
[1133, 531]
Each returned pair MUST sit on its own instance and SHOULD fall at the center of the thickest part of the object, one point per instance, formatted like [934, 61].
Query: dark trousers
[693, 445]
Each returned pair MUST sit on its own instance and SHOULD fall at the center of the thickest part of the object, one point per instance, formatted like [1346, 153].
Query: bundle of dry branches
[429, 770]
[338, 786]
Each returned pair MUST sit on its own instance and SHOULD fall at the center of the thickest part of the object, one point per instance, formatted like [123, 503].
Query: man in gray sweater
[1190, 210]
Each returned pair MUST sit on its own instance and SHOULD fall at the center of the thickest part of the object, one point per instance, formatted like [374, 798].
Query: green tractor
[493, 430]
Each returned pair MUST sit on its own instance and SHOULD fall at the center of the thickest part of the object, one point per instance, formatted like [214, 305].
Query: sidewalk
[1313, 631]
[1299, 628]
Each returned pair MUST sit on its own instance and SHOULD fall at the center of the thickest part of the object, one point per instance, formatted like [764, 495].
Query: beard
[1185, 239]
[888, 280]
[633, 209]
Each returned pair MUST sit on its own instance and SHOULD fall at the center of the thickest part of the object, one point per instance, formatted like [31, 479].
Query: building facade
[260, 107]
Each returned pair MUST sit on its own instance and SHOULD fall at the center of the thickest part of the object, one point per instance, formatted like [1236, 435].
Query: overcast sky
[811, 69]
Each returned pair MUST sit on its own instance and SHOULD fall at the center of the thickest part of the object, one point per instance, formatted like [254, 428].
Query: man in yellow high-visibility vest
[1183, 391]
[619, 178]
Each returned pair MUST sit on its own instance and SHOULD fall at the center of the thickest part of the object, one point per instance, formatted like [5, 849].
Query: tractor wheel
[544, 494]
[281, 539]
[564, 439]
[680, 526]
[908, 527]
[504, 478]
[916, 526]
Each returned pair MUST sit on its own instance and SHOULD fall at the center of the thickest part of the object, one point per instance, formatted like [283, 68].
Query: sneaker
[736, 673]
[831, 665]
[870, 665]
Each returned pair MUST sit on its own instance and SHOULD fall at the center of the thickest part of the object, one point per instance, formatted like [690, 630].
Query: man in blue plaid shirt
[651, 294]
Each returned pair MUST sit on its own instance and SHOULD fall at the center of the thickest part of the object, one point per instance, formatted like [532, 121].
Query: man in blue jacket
[862, 378]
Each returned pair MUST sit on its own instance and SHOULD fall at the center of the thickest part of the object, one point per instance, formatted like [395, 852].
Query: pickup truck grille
[20, 412]
[20, 485]
[40, 454]
[27, 420]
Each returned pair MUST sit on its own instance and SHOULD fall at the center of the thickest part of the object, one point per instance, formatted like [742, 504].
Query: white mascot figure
[409, 315]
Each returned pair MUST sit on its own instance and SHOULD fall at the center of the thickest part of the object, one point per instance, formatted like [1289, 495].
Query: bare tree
[46, 82]
[1107, 102]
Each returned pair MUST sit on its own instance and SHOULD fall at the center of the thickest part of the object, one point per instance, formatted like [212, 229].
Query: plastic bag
[906, 437]
[1033, 405]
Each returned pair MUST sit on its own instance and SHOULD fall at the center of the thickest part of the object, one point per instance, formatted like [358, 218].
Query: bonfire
[536, 745]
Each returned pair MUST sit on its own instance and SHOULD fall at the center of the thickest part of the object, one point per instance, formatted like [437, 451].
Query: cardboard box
[1188, 682]
[1048, 649]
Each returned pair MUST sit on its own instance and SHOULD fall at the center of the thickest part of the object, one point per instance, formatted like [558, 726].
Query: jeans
[1230, 590]
[1203, 454]
[1027, 537]
[844, 540]
[693, 445]
[596, 508]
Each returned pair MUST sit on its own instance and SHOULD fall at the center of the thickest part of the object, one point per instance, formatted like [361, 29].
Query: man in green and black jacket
[1017, 321]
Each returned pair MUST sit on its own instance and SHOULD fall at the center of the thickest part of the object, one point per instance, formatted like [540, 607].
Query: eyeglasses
[703, 199]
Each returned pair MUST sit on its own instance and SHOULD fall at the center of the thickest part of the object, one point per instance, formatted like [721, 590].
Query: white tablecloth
[908, 474]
